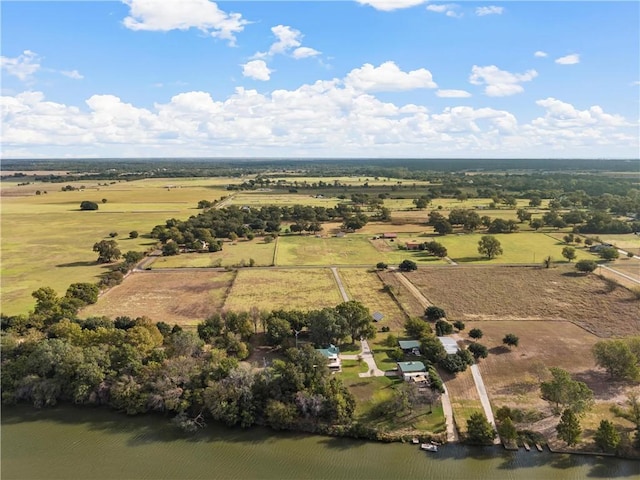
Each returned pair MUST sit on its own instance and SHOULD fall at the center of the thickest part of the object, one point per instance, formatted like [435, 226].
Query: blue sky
[362, 78]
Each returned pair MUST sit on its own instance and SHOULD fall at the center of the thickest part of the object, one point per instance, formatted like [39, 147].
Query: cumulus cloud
[569, 59]
[23, 66]
[72, 74]
[448, 9]
[388, 78]
[166, 15]
[453, 94]
[500, 83]
[540, 54]
[257, 69]
[288, 42]
[389, 5]
[325, 118]
[489, 10]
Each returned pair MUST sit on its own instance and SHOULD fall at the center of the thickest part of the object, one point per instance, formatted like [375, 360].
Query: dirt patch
[185, 298]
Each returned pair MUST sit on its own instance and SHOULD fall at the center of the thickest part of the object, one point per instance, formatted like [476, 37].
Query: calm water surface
[69, 443]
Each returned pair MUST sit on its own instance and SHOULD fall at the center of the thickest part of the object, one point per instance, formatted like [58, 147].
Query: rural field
[531, 293]
[266, 289]
[513, 377]
[367, 288]
[185, 298]
[629, 242]
[232, 254]
[260, 198]
[47, 241]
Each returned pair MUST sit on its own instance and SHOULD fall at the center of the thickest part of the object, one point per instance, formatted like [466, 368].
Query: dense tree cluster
[136, 366]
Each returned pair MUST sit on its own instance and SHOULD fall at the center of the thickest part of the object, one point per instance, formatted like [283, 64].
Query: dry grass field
[185, 298]
[531, 293]
[305, 289]
[367, 288]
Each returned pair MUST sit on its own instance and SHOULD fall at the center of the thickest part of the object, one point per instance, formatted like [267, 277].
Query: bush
[586, 266]
[87, 205]
[478, 350]
[408, 266]
[133, 234]
[381, 266]
[443, 328]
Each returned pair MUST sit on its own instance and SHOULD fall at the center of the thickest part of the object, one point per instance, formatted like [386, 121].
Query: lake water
[69, 443]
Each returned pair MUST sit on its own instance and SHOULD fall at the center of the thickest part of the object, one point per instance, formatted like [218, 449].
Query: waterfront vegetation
[212, 321]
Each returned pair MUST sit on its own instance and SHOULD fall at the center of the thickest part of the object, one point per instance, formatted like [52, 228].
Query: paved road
[484, 398]
[447, 410]
[343, 291]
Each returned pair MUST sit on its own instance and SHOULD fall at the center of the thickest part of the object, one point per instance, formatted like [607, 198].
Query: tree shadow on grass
[499, 350]
[470, 259]
[78, 264]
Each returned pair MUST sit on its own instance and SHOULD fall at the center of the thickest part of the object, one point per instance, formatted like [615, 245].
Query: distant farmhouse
[332, 354]
[411, 370]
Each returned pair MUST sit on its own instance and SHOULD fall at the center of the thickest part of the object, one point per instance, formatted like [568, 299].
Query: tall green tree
[607, 436]
[489, 246]
[565, 393]
[479, 430]
[107, 251]
[358, 320]
[568, 428]
[618, 359]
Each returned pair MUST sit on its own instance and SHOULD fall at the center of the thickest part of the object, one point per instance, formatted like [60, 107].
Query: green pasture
[271, 289]
[232, 254]
[278, 197]
[352, 249]
[47, 241]
[525, 247]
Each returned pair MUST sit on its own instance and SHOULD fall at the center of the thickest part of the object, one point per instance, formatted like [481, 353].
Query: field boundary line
[275, 252]
[227, 294]
[389, 291]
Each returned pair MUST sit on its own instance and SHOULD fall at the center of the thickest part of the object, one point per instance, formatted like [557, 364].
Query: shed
[449, 344]
[413, 245]
[377, 316]
[389, 235]
[407, 370]
[409, 345]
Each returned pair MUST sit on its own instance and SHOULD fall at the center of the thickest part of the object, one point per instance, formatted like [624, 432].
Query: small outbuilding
[389, 235]
[410, 346]
[408, 370]
[413, 245]
[377, 316]
[449, 344]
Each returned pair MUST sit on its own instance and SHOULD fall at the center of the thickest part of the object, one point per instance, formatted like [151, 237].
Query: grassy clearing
[351, 369]
[518, 248]
[367, 288]
[531, 293]
[261, 198]
[352, 249]
[185, 298]
[47, 241]
[305, 289]
[232, 254]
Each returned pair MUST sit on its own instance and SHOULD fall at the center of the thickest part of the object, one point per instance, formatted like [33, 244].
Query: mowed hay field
[185, 298]
[367, 288]
[531, 293]
[304, 289]
[47, 241]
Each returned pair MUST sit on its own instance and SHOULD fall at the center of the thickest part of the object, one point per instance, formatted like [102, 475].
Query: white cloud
[635, 84]
[325, 118]
[448, 9]
[257, 69]
[569, 59]
[453, 94]
[500, 83]
[490, 10]
[540, 54]
[388, 78]
[166, 15]
[305, 52]
[72, 74]
[23, 66]
[389, 5]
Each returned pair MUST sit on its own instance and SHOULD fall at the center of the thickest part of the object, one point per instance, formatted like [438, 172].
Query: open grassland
[47, 241]
[405, 298]
[531, 293]
[367, 288]
[305, 289]
[628, 242]
[185, 298]
[259, 199]
[524, 247]
[232, 254]
[352, 249]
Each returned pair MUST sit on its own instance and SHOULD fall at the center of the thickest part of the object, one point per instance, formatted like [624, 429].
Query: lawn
[531, 293]
[267, 289]
[524, 247]
[185, 298]
[47, 241]
[367, 288]
[232, 254]
[352, 249]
